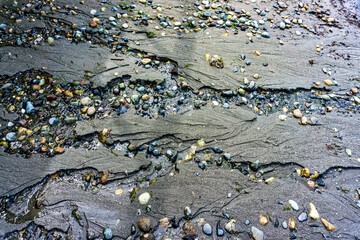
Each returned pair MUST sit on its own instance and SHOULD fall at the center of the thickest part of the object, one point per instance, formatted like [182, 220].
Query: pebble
[146, 61]
[201, 142]
[297, 113]
[304, 120]
[85, 101]
[230, 226]
[356, 100]
[207, 229]
[241, 91]
[11, 137]
[302, 217]
[294, 205]
[118, 191]
[144, 198]
[189, 229]
[53, 121]
[328, 82]
[145, 97]
[314, 214]
[314, 120]
[247, 222]
[305, 172]
[70, 120]
[276, 224]
[147, 236]
[282, 25]
[219, 231]
[284, 225]
[263, 219]
[311, 184]
[125, 25]
[257, 234]
[91, 111]
[292, 235]
[269, 180]
[291, 224]
[131, 147]
[348, 152]
[58, 150]
[93, 24]
[255, 165]
[164, 222]
[282, 117]
[107, 234]
[144, 224]
[227, 156]
[29, 107]
[187, 211]
[327, 225]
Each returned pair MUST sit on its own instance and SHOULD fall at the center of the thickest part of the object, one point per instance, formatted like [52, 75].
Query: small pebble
[257, 234]
[144, 198]
[302, 217]
[207, 229]
[284, 225]
[294, 205]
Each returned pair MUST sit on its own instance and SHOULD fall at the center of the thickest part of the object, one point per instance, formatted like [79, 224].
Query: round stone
[207, 229]
[145, 97]
[282, 25]
[50, 40]
[328, 82]
[144, 198]
[91, 111]
[108, 234]
[144, 224]
[282, 117]
[85, 101]
[297, 113]
[284, 225]
[93, 24]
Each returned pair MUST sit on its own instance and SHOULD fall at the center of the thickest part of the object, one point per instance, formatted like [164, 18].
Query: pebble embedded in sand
[263, 219]
[327, 225]
[328, 82]
[314, 214]
[297, 113]
[144, 198]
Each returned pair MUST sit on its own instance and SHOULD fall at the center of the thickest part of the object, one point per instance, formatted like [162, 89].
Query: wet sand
[95, 182]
